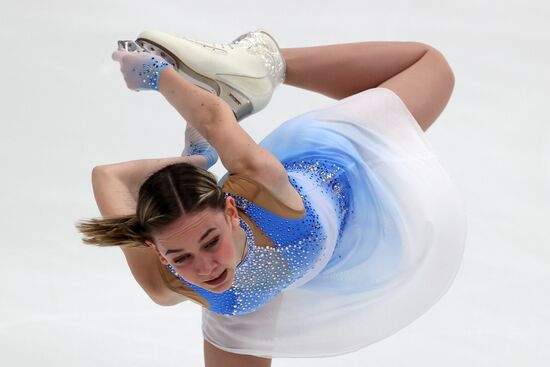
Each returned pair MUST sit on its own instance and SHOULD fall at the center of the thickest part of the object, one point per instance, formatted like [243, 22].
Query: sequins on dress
[300, 245]
[381, 239]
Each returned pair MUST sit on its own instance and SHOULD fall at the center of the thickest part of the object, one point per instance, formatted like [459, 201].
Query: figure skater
[339, 229]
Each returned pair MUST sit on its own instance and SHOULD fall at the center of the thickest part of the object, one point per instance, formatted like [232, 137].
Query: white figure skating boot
[244, 73]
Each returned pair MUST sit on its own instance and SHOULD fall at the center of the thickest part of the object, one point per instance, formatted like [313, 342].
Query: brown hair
[164, 197]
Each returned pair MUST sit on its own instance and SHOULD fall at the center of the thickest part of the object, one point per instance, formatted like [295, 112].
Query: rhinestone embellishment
[261, 44]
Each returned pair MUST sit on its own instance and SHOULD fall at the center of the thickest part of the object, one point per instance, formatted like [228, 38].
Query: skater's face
[204, 245]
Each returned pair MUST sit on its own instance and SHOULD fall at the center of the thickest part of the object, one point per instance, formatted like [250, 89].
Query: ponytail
[165, 196]
[120, 231]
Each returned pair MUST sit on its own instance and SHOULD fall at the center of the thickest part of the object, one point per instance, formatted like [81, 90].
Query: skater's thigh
[215, 357]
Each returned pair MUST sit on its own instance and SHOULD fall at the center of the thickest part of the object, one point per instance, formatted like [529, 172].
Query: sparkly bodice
[298, 248]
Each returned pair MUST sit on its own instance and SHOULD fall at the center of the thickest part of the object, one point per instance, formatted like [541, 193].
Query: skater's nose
[205, 265]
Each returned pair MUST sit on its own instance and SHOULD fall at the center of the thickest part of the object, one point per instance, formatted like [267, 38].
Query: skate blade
[129, 46]
[239, 103]
[132, 46]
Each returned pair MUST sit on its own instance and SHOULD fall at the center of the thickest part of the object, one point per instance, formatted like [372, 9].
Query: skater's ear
[230, 210]
[151, 245]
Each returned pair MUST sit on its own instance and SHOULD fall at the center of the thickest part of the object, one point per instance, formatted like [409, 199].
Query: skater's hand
[141, 70]
[196, 144]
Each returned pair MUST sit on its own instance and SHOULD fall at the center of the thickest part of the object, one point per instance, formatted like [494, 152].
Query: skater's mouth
[219, 279]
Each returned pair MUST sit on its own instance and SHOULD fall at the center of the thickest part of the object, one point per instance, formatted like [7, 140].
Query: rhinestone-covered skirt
[397, 254]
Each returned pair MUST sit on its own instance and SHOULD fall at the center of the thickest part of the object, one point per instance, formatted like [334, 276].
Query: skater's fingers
[117, 55]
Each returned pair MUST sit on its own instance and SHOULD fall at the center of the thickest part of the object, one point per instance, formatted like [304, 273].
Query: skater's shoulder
[281, 199]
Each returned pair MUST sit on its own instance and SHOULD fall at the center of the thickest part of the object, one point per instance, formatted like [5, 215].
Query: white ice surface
[65, 108]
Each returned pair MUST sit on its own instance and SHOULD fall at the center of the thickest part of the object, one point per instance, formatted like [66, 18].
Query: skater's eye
[210, 244]
[181, 259]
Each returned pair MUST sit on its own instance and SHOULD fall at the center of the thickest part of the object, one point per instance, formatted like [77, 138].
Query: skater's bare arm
[143, 263]
[214, 119]
[116, 188]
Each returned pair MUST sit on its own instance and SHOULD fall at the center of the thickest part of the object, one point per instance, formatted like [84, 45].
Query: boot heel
[239, 103]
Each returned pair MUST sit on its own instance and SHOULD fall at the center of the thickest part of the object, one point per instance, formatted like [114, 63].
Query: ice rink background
[65, 109]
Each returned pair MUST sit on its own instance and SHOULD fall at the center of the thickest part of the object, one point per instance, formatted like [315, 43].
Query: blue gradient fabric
[393, 227]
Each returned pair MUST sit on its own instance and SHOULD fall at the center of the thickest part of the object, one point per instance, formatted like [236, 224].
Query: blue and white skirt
[401, 249]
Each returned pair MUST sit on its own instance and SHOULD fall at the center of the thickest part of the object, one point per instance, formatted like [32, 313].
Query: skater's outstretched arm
[212, 117]
[214, 120]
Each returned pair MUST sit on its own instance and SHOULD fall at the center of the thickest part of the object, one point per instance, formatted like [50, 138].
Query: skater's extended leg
[341, 70]
[418, 73]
